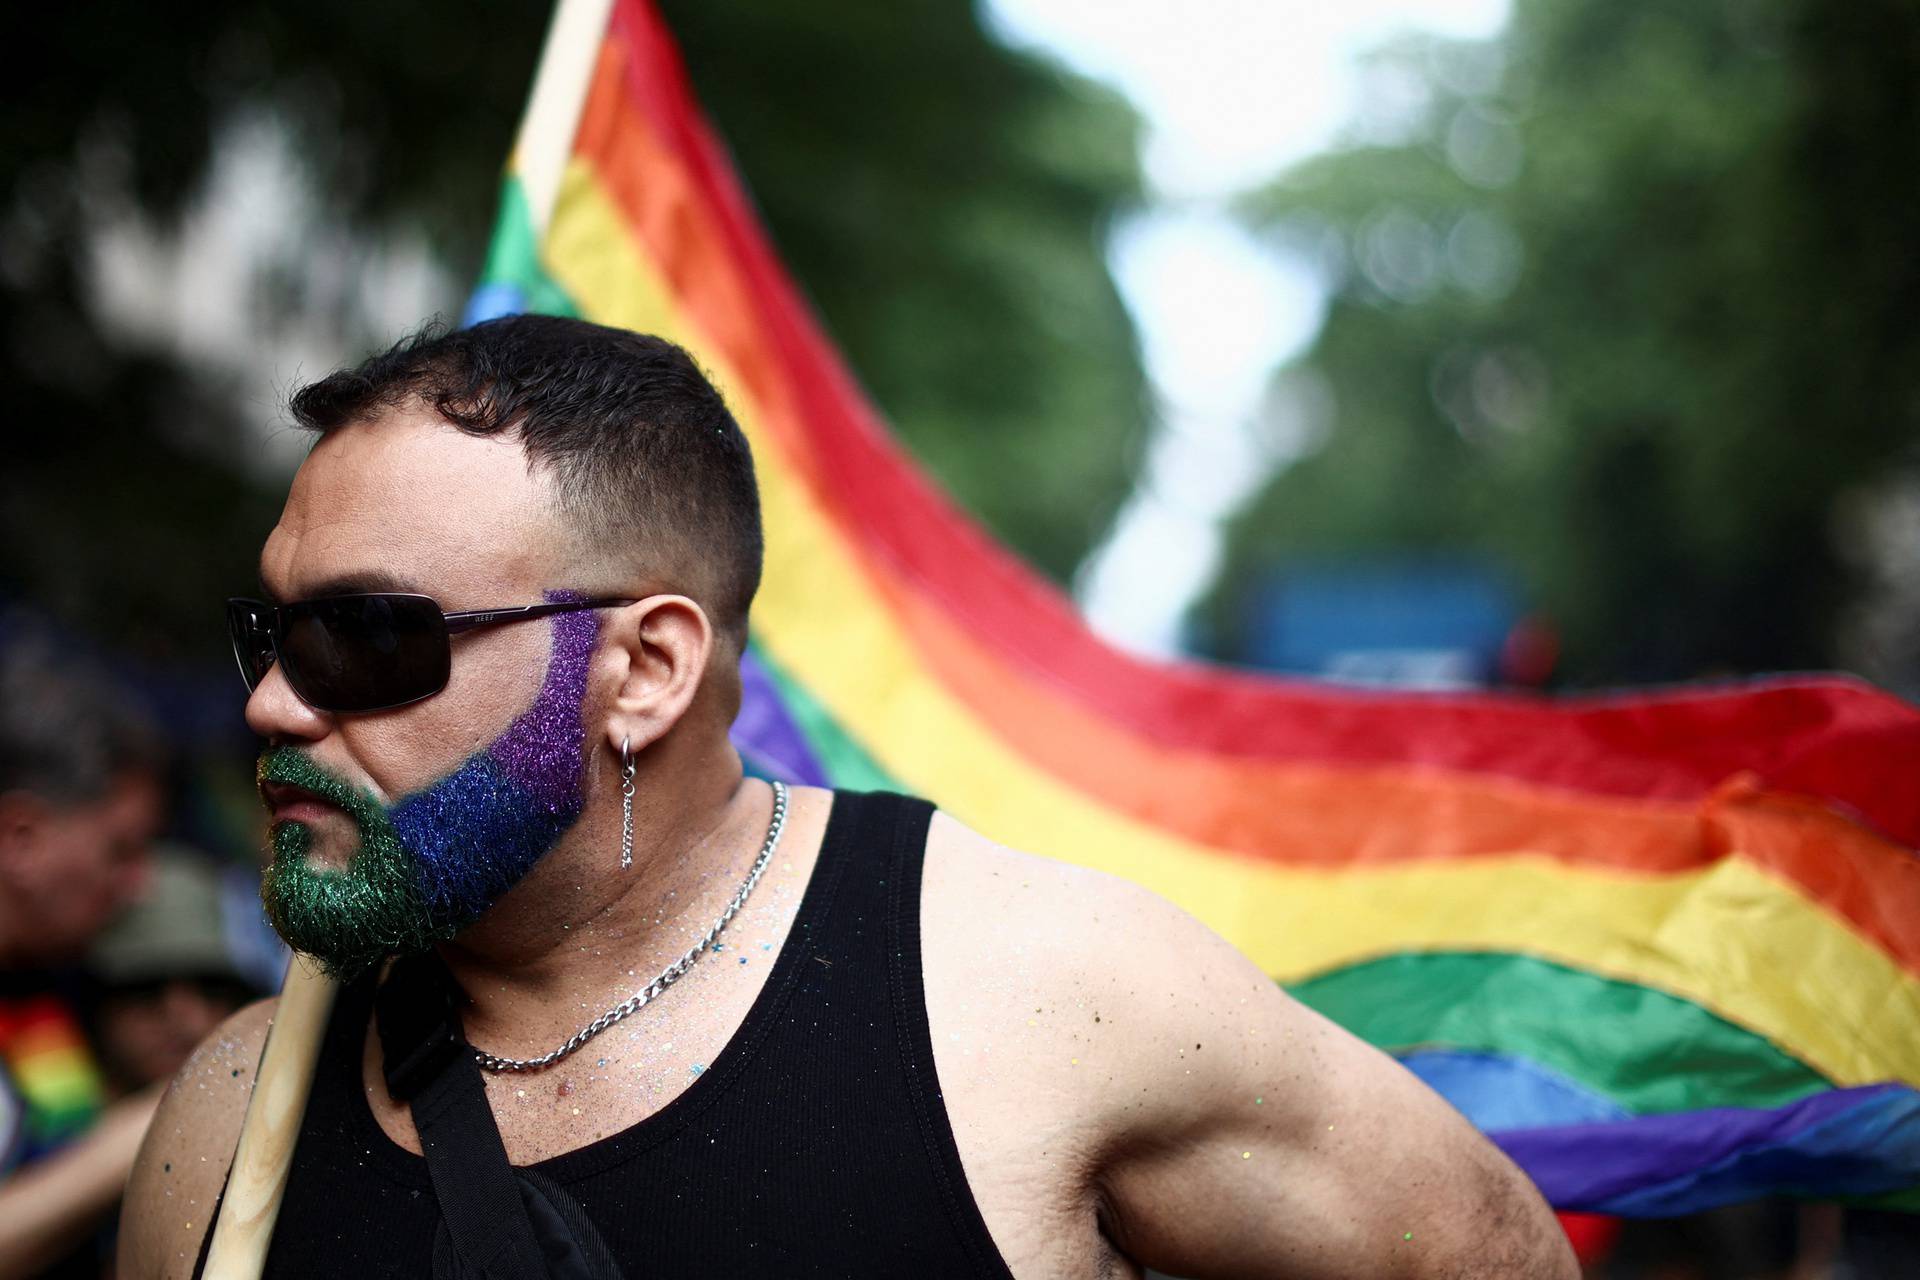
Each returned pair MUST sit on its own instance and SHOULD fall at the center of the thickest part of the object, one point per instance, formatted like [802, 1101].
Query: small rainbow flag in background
[1665, 949]
[60, 1092]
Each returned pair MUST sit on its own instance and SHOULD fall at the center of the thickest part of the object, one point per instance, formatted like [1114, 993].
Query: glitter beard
[440, 857]
[349, 920]
[475, 833]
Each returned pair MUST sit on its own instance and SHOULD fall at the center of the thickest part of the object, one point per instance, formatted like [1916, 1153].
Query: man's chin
[342, 947]
[323, 846]
[346, 906]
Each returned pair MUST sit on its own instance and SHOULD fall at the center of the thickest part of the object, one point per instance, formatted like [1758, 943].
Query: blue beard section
[473, 835]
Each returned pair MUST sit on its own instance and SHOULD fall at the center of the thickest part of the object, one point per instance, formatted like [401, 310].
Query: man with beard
[719, 1028]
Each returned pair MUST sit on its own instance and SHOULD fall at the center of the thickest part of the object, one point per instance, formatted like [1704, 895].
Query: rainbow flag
[50, 1087]
[1664, 948]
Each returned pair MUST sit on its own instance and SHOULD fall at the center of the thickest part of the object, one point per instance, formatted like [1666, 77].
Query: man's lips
[288, 803]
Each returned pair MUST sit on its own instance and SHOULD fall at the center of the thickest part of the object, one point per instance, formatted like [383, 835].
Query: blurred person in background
[160, 978]
[165, 974]
[80, 801]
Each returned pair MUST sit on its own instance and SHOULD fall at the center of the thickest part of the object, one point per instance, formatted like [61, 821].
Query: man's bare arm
[1277, 1144]
[183, 1163]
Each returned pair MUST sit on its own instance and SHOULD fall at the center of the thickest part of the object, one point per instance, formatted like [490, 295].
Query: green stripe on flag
[847, 763]
[1567, 1021]
[513, 257]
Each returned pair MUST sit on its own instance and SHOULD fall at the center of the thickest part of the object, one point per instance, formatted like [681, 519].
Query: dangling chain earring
[626, 803]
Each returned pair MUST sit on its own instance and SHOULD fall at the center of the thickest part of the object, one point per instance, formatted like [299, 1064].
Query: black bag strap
[428, 1065]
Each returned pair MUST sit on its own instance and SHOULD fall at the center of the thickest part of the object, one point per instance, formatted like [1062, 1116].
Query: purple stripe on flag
[764, 730]
[1698, 1155]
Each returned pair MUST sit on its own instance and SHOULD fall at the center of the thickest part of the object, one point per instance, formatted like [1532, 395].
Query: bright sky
[1232, 91]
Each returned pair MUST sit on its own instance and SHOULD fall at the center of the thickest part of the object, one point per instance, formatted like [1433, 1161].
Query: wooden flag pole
[545, 142]
[264, 1155]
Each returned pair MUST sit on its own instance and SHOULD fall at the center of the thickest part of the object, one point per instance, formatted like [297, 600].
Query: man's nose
[275, 711]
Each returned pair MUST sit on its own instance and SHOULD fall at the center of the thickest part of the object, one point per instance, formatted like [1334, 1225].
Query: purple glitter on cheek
[541, 750]
[475, 833]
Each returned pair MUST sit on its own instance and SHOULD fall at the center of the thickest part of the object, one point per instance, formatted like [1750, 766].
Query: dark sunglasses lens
[250, 630]
[363, 653]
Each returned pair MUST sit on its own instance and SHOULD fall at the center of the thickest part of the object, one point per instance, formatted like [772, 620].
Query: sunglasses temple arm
[467, 621]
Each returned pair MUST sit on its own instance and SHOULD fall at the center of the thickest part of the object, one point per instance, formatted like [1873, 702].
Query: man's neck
[580, 930]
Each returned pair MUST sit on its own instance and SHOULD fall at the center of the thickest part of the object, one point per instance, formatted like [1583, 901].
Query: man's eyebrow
[347, 584]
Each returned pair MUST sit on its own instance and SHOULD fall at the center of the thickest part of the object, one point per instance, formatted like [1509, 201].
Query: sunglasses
[367, 652]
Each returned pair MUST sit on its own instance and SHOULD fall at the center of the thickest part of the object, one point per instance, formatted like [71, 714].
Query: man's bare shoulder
[183, 1162]
[1033, 1001]
[1002, 903]
[1038, 925]
[1213, 1123]
[1119, 990]
[1064, 904]
[1112, 1009]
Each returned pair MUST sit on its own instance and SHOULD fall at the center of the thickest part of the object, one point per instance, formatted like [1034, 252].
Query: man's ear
[663, 644]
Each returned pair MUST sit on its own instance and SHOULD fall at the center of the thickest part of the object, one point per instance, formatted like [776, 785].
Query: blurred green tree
[944, 200]
[1626, 300]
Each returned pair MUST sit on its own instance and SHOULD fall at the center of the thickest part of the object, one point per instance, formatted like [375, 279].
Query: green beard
[350, 919]
[437, 859]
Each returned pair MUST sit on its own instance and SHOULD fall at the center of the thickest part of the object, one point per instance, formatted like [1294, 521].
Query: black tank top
[816, 1144]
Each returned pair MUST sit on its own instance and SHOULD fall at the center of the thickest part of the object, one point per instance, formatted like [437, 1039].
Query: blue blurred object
[492, 300]
[1500, 1091]
[1410, 622]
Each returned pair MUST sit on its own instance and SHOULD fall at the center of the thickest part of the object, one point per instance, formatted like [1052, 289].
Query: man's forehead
[407, 503]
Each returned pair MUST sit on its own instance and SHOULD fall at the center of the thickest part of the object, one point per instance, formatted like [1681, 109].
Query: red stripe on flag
[1832, 738]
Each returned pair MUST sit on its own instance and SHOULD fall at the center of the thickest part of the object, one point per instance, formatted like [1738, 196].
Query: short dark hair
[67, 734]
[641, 446]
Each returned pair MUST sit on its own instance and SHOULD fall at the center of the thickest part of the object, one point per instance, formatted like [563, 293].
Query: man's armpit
[1520, 1234]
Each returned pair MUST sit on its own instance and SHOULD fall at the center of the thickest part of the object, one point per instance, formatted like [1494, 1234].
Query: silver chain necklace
[669, 975]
